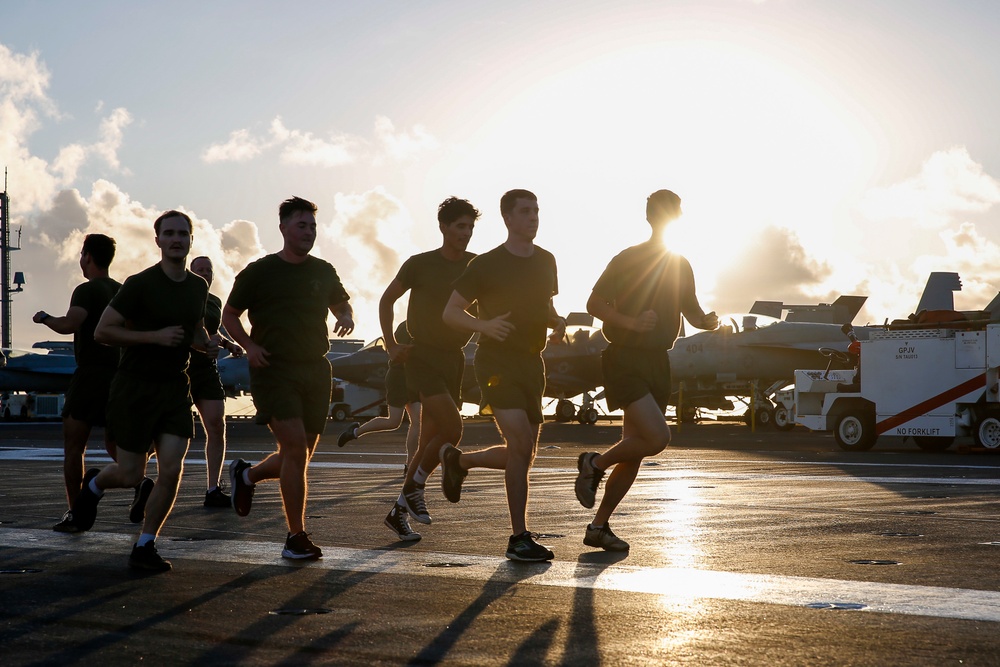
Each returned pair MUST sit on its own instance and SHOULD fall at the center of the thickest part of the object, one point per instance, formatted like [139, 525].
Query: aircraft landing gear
[565, 411]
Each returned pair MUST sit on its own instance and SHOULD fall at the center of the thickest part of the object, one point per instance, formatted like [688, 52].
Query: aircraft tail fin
[939, 291]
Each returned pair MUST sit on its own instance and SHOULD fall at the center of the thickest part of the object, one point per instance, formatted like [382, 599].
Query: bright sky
[821, 147]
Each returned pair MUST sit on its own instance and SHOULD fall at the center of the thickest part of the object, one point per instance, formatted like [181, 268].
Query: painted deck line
[677, 586]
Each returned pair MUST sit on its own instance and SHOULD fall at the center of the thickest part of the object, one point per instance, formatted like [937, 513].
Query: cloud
[949, 183]
[368, 238]
[299, 147]
[401, 146]
[773, 266]
[239, 148]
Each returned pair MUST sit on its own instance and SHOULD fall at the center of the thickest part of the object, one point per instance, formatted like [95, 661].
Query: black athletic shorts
[431, 371]
[293, 390]
[141, 408]
[511, 381]
[397, 394]
[631, 373]
[206, 385]
[87, 396]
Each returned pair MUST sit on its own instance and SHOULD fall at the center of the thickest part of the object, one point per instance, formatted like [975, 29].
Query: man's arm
[390, 296]
[205, 342]
[557, 324]
[256, 355]
[603, 310]
[69, 323]
[112, 330]
[344, 313]
[456, 315]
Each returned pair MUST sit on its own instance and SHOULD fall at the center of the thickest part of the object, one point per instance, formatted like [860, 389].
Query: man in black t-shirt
[87, 397]
[156, 317]
[512, 286]
[287, 296]
[640, 297]
[207, 392]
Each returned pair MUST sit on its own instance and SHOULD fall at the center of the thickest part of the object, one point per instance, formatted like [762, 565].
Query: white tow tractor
[931, 383]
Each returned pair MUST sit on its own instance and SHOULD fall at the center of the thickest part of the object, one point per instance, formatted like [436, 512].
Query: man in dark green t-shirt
[87, 397]
[156, 316]
[434, 360]
[287, 296]
[513, 286]
[640, 298]
[207, 392]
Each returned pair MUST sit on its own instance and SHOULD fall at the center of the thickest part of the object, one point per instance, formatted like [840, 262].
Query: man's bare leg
[213, 419]
[295, 449]
[170, 451]
[521, 437]
[75, 436]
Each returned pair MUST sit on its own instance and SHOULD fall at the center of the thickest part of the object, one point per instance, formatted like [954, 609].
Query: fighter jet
[26, 371]
[752, 356]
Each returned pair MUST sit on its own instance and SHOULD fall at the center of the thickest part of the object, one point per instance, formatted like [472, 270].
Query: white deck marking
[682, 586]
[674, 471]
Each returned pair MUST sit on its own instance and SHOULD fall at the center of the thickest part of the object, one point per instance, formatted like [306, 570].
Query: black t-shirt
[430, 277]
[150, 301]
[94, 296]
[288, 305]
[647, 277]
[501, 282]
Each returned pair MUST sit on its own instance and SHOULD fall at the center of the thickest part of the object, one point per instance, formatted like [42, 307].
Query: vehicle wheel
[987, 433]
[24, 412]
[784, 419]
[855, 432]
[565, 411]
[6, 414]
[689, 415]
[589, 416]
[930, 443]
[340, 413]
[765, 417]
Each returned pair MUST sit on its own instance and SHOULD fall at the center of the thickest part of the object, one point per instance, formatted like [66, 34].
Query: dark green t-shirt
[288, 305]
[647, 277]
[431, 280]
[502, 282]
[94, 296]
[213, 318]
[150, 301]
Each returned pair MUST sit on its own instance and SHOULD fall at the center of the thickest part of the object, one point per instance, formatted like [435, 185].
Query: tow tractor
[929, 382]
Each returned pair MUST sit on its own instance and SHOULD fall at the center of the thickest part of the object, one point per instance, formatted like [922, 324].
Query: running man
[513, 285]
[287, 296]
[398, 400]
[640, 298]
[87, 397]
[156, 317]
[207, 392]
[435, 360]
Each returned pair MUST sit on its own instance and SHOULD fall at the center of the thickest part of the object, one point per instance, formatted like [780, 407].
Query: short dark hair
[172, 214]
[509, 199]
[101, 249]
[294, 205]
[453, 208]
[662, 203]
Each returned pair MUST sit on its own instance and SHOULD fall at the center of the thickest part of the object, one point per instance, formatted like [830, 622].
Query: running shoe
[452, 474]
[242, 492]
[67, 525]
[524, 548]
[300, 547]
[145, 558]
[603, 538]
[217, 498]
[397, 522]
[85, 506]
[137, 510]
[588, 479]
[413, 502]
[348, 435]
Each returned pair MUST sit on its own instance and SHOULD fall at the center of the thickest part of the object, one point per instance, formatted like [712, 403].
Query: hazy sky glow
[820, 147]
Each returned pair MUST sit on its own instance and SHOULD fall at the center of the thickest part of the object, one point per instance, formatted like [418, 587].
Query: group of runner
[159, 318]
